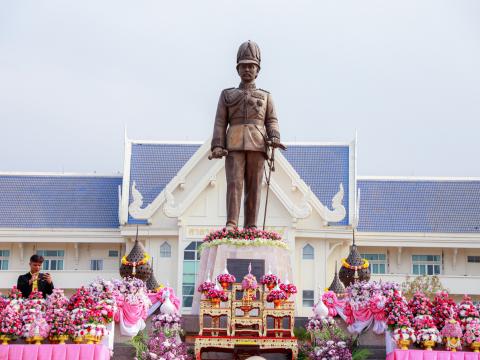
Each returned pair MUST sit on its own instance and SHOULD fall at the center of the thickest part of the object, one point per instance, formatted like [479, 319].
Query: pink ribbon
[348, 312]
[362, 314]
[158, 296]
[377, 308]
[331, 302]
[131, 313]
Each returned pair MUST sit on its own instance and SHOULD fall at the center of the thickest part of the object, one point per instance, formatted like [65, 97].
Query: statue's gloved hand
[218, 153]
[275, 142]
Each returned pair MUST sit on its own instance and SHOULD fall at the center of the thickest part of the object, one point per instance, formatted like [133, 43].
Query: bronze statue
[246, 126]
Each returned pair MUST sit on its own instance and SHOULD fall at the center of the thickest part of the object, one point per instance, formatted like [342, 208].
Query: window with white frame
[53, 259]
[4, 255]
[113, 253]
[96, 265]
[191, 263]
[308, 252]
[165, 250]
[426, 264]
[308, 298]
[378, 263]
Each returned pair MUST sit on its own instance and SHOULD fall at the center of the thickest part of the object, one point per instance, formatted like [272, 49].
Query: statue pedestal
[213, 260]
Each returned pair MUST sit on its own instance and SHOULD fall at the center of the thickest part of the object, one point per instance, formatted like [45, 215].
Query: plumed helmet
[248, 53]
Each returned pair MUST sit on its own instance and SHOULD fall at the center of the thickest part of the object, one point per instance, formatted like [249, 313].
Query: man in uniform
[244, 125]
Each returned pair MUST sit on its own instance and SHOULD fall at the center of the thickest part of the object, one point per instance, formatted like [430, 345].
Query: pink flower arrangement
[426, 329]
[466, 311]
[93, 329]
[78, 318]
[216, 294]
[35, 324]
[242, 234]
[249, 282]
[57, 316]
[289, 289]
[3, 302]
[423, 322]
[167, 323]
[269, 279]
[472, 332]
[397, 312]
[163, 346]
[226, 278]
[15, 293]
[276, 295]
[205, 286]
[420, 305]
[318, 323]
[444, 308]
[10, 322]
[452, 329]
[81, 299]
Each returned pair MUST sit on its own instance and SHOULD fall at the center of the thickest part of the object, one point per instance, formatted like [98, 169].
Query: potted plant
[427, 333]
[472, 335]
[216, 296]
[452, 334]
[226, 279]
[269, 280]
[276, 296]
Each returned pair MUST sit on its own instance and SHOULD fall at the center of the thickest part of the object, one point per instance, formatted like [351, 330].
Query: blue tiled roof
[28, 201]
[153, 166]
[419, 206]
[322, 167]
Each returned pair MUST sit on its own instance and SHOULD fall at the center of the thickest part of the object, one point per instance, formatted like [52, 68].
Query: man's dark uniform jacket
[43, 286]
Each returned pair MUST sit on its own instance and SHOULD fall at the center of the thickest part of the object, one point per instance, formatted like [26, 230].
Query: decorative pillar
[76, 247]
[181, 236]
[21, 251]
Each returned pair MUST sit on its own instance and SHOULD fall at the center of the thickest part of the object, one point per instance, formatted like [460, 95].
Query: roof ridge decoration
[167, 201]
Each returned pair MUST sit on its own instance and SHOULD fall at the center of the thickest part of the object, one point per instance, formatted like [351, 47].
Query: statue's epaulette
[229, 89]
[268, 92]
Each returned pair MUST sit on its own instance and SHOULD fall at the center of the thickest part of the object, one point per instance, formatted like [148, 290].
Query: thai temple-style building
[84, 223]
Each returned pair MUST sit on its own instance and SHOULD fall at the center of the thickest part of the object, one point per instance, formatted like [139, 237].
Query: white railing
[456, 284]
[65, 279]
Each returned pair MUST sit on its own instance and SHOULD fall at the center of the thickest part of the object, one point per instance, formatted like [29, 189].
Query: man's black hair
[36, 258]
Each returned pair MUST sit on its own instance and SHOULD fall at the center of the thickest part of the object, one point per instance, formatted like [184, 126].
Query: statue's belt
[241, 121]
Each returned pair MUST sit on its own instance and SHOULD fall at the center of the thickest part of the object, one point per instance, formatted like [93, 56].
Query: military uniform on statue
[246, 133]
[246, 120]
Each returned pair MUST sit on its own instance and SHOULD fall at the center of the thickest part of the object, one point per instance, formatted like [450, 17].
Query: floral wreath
[134, 264]
[365, 265]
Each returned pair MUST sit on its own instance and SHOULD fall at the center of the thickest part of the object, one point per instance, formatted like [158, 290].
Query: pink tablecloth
[54, 352]
[431, 355]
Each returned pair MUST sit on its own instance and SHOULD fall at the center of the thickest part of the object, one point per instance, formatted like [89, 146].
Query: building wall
[74, 274]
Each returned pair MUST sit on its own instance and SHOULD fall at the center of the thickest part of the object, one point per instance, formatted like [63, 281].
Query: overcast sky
[405, 74]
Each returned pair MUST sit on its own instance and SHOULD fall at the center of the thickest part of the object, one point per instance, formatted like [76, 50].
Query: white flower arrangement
[404, 333]
[430, 334]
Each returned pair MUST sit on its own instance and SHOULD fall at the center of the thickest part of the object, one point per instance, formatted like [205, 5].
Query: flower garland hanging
[365, 265]
[134, 264]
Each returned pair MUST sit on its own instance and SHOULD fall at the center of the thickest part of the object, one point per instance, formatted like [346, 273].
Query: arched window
[308, 252]
[165, 250]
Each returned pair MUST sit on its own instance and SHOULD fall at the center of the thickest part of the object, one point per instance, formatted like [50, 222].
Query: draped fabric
[54, 352]
[130, 317]
[213, 260]
[431, 355]
[359, 318]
